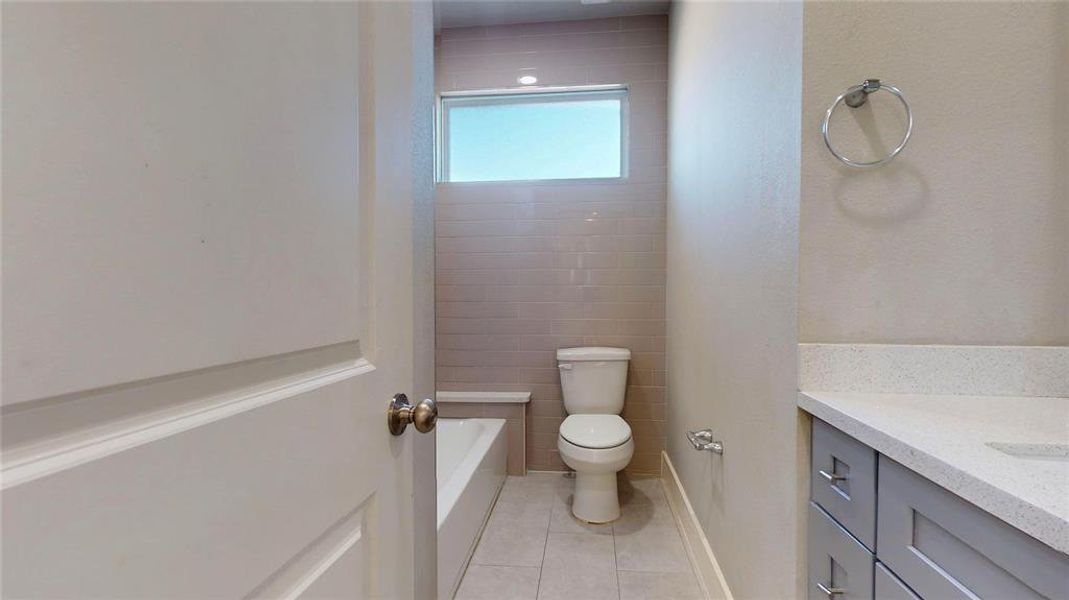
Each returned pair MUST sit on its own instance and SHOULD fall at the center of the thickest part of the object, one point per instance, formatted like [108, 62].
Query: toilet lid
[595, 431]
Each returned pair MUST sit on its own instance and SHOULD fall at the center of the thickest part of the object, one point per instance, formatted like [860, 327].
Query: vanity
[937, 497]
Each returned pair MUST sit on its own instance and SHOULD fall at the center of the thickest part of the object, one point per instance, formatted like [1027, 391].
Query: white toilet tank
[593, 379]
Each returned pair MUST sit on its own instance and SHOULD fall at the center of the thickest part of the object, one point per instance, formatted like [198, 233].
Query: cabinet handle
[832, 477]
[831, 592]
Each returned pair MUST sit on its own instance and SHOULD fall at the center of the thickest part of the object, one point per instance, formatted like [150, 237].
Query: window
[573, 134]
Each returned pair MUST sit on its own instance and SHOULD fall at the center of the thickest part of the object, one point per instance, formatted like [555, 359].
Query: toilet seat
[596, 432]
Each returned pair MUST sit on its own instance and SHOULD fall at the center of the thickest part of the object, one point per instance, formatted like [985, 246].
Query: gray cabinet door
[947, 548]
[836, 561]
[889, 587]
[843, 481]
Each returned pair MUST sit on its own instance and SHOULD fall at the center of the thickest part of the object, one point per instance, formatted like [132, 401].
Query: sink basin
[1057, 452]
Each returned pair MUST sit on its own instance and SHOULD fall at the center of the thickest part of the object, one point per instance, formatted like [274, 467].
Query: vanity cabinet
[879, 530]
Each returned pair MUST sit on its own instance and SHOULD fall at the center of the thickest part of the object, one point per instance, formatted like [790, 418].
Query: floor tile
[642, 506]
[655, 546]
[641, 585]
[515, 535]
[538, 488]
[578, 566]
[484, 582]
[532, 536]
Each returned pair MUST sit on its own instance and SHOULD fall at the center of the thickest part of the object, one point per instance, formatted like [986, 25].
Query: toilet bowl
[593, 440]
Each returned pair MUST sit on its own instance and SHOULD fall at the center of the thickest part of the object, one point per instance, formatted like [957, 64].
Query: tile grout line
[545, 546]
[615, 564]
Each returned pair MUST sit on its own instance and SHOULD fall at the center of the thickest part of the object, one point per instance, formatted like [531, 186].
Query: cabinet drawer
[945, 547]
[888, 587]
[836, 561]
[843, 480]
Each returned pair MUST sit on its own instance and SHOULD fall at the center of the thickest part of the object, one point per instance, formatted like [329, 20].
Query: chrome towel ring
[855, 97]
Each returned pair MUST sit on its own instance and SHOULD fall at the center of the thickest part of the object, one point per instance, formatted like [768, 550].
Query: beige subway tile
[644, 37]
[448, 325]
[648, 360]
[551, 310]
[460, 293]
[645, 394]
[629, 73]
[475, 212]
[489, 261]
[627, 277]
[502, 411]
[587, 226]
[554, 27]
[448, 229]
[636, 343]
[551, 408]
[648, 412]
[476, 277]
[641, 260]
[517, 326]
[641, 327]
[547, 391]
[644, 22]
[476, 309]
[462, 33]
[449, 410]
[549, 342]
[517, 447]
[479, 374]
[478, 342]
[585, 327]
[623, 310]
[623, 293]
[539, 375]
[535, 293]
[546, 424]
[587, 260]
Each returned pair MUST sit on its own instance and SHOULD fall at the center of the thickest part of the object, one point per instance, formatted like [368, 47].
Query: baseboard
[700, 553]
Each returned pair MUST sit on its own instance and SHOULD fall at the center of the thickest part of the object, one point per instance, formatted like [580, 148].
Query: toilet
[594, 440]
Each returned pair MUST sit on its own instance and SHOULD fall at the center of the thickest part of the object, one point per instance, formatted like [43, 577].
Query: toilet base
[595, 499]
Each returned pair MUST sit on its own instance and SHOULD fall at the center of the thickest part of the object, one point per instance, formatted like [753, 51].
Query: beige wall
[524, 269]
[964, 239]
[735, 105]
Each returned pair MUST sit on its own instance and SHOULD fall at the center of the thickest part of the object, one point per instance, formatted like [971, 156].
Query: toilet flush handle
[565, 366]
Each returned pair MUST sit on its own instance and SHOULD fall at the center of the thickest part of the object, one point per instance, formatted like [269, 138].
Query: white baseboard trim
[710, 577]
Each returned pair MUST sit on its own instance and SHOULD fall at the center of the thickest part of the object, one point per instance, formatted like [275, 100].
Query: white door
[210, 292]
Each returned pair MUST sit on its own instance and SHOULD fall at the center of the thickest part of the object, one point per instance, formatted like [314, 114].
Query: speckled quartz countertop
[952, 441]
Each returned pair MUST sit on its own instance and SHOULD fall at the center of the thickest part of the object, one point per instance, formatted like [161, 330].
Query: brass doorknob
[400, 413]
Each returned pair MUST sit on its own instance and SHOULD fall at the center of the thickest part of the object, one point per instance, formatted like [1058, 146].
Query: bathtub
[471, 469]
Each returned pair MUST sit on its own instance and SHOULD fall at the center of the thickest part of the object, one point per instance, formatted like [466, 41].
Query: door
[211, 289]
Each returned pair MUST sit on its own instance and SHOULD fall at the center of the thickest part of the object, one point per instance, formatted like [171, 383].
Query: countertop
[948, 439]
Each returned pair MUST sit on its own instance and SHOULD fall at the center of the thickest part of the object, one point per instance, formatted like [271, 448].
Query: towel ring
[855, 97]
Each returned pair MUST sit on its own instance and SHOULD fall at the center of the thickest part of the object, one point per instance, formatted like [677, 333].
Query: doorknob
[400, 413]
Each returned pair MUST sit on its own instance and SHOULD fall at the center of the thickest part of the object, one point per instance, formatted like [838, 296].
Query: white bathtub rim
[483, 397]
[465, 470]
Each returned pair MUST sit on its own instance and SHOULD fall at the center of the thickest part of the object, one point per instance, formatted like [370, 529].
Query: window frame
[526, 95]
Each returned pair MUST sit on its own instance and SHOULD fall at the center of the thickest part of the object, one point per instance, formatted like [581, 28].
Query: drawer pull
[830, 592]
[832, 477]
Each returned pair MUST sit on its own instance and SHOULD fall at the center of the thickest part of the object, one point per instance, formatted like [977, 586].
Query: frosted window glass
[572, 135]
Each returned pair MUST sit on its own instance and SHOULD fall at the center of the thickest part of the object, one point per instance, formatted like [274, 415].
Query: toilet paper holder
[703, 440]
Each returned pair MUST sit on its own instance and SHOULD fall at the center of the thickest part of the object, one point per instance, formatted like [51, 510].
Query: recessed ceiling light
[527, 79]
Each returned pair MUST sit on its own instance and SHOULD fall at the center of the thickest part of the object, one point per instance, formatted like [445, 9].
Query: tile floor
[533, 548]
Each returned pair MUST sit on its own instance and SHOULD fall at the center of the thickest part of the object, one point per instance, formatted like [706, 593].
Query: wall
[963, 239]
[735, 105]
[526, 268]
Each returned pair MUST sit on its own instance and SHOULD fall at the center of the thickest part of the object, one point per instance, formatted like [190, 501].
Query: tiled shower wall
[526, 268]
